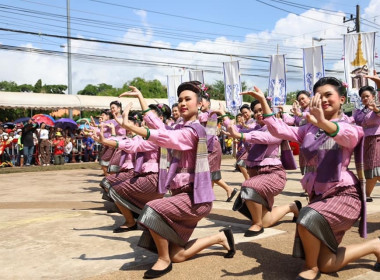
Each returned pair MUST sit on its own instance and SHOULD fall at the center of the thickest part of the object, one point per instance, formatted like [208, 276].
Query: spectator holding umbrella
[27, 140]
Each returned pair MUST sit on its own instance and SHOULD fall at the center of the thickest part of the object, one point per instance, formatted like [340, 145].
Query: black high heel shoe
[152, 273]
[299, 206]
[234, 192]
[231, 242]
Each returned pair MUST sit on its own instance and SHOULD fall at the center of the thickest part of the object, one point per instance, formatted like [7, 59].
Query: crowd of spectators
[30, 143]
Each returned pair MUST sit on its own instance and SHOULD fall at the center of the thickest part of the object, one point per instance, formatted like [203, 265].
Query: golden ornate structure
[359, 58]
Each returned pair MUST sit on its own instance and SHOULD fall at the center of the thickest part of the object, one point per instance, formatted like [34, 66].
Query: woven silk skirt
[215, 160]
[114, 165]
[267, 182]
[174, 217]
[106, 156]
[372, 156]
[116, 178]
[136, 191]
[329, 216]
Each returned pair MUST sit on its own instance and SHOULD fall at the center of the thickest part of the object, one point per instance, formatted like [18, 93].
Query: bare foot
[377, 249]
[256, 227]
[294, 209]
[126, 225]
[309, 273]
[223, 241]
[161, 264]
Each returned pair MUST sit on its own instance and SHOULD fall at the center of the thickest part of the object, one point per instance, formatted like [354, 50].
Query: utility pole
[69, 81]
[356, 19]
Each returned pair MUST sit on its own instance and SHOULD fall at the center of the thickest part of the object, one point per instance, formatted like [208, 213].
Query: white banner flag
[232, 86]
[277, 80]
[196, 75]
[173, 82]
[359, 59]
[313, 66]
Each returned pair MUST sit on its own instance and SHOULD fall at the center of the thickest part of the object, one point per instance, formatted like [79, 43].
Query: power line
[110, 59]
[251, 57]
[307, 7]
[278, 8]
[103, 25]
[176, 16]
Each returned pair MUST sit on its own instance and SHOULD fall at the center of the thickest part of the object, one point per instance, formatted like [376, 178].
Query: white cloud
[28, 68]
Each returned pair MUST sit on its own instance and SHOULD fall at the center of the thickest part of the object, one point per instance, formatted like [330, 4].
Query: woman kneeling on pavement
[336, 198]
[169, 222]
[267, 175]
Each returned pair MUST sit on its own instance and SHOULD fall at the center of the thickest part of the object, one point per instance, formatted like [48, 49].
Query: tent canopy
[44, 101]
[47, 101]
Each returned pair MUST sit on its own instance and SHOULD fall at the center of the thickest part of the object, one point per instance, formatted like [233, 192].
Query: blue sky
[255, 28]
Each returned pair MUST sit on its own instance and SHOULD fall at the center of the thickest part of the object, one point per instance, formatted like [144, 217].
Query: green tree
[26, 88]
[291, 97]
[150, 89]
[89, 90]
[8, 86]
[38, 86]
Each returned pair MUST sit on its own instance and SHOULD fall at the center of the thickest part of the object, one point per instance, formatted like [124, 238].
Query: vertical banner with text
[196, 75]
[173, 82]
[313, 66]
[232, 86]
[277, 80]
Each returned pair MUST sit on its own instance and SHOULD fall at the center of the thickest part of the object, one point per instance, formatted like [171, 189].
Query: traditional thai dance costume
[264, 165]
[121, 170]
[370, 121]
[142, 184]
[210, 122]
[107, 152]
[336, 198]
[296, 120]
[242, 149]
[188, 179]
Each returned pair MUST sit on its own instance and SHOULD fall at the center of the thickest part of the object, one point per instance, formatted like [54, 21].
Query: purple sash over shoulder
[139, 162]
[203, 191]
[359, 163]
[257, 153]
[287, 158]
[322, 150]
[326, 153]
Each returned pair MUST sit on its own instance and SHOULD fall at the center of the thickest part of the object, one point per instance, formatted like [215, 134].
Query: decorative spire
[359, 58]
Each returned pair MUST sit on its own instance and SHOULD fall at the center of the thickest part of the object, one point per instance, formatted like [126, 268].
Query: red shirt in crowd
[58, 144]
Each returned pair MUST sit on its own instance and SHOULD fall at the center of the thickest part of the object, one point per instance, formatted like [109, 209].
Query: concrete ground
[53, 225]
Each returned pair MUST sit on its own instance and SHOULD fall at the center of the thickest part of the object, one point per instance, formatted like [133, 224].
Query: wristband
[114, 135]
[146, 111]
[117, 144]
[336, 132]
[241, 136]
[147, 133]
[268, 115]
[225, 115]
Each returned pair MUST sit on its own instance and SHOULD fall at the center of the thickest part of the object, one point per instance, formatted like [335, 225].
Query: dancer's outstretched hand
[256, 93]
[134, 92]
[316, 112]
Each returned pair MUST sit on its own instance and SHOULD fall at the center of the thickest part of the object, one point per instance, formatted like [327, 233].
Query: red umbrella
[41, 118]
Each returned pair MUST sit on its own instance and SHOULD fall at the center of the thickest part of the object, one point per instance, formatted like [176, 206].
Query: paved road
[53, 225]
